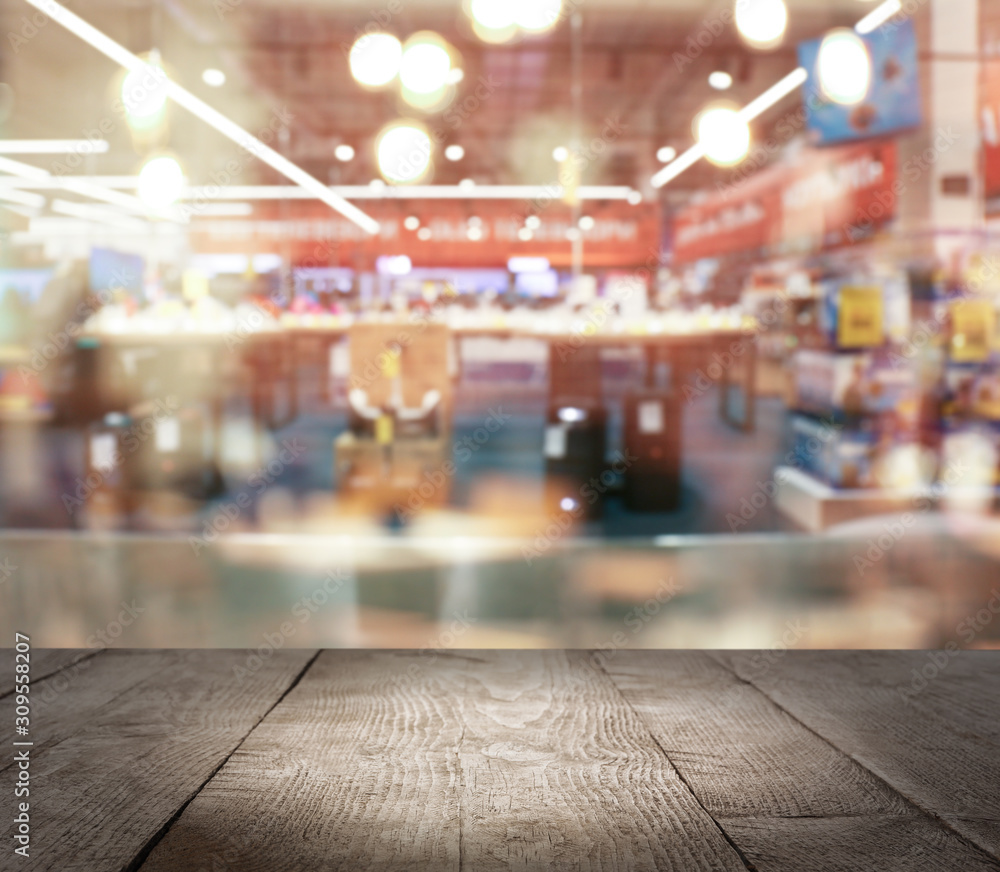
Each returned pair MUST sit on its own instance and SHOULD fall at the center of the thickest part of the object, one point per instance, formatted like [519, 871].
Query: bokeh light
[375, 59]
[761, 23]
[844, 67]
[425, 65]
[161, 182]
[723, 135]
[403, 151]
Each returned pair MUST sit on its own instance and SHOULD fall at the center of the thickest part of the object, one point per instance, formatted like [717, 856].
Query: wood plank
[44, 663]
[559, 773]
[67, 701]
[853, 844]
[357, 768]
[397, 760]
[784, 795]
[124, 767]
[938, 745]
[514, 760]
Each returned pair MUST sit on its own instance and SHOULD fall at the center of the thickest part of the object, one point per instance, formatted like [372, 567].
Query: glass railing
[884, 583]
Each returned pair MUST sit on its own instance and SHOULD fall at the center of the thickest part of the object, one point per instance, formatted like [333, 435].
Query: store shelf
[816, 506]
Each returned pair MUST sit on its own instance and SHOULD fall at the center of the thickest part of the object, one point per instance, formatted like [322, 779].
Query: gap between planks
[85, 654]
[652, 736]
[928, 812]
[147, 849]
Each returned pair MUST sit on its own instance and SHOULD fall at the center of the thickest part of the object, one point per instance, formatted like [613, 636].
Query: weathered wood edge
[143, 854]
[726, 661]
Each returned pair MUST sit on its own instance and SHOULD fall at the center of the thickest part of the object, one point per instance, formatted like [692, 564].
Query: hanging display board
[822, 198]
[307, 233]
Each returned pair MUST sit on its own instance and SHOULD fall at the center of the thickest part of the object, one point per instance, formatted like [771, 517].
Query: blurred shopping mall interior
[494, 323]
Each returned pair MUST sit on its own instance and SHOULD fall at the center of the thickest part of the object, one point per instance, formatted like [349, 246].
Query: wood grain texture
[65, 702]
[854, 844]
[559, 773]
[936, 741]
[768, 780]
[44, 663]
[356, 769]
[165, 761]
[116, 769]
[386, 760]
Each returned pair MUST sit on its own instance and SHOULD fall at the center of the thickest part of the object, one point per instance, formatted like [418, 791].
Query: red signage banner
[821, 198]
[452, 233]
[990, 115]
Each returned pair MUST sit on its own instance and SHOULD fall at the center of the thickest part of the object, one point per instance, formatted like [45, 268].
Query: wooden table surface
[409, 760]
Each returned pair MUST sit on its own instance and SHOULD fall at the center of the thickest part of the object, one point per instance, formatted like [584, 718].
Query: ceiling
[285, 55]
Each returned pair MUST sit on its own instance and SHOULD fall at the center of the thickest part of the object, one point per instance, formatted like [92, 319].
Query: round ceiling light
[493, 20]
[723, 135]
[403, 151]
[161, 181]
[720, 80]
[426, 64]
[761, 23]
[492, 14]
[144, 93]
[537, 16]
[213, 78]
[375, 59]
[844, 67]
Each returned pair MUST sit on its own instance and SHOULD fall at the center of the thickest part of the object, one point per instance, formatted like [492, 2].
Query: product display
[865, 313]
[852, 386]
[973, 330]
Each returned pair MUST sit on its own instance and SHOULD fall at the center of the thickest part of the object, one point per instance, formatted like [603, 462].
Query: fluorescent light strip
[53, 146]
[678, 165]
[878, 16]
[222, 210]
[76, 185]
[49, 183]
[25, 198]
[96, 213]
[23, 170]
[122, 56]
[416, 192]
[98, 192]
[753, 109]
[361, 192]
[772, 95]
[49, 227]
